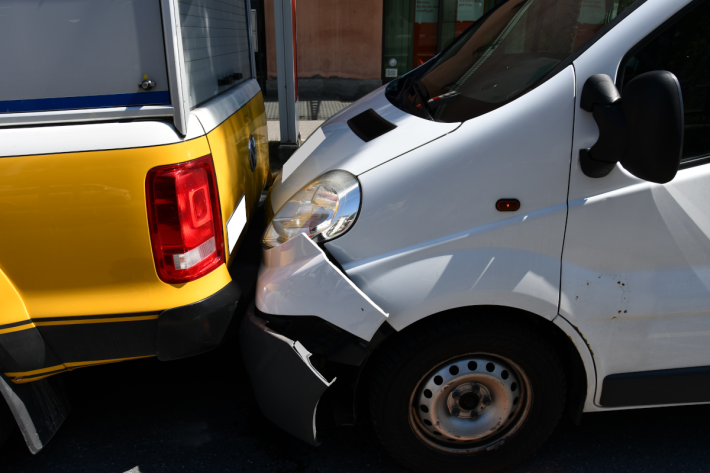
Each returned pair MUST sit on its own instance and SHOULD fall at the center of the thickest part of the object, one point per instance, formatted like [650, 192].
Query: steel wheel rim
[449, 411]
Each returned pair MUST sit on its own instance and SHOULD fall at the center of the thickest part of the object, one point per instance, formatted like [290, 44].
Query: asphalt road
[199, 414]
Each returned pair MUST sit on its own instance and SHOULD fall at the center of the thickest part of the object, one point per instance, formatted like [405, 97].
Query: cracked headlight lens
[324, 209]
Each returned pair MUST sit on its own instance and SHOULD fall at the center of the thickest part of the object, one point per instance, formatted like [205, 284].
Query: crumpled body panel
[297, 278]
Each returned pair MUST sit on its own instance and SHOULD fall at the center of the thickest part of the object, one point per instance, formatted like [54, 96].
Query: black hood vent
[369, 125]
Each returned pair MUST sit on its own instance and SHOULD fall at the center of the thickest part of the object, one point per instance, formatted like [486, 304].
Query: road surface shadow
[199, 414]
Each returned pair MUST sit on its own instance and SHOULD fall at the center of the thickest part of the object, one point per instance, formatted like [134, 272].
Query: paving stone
[308, 109]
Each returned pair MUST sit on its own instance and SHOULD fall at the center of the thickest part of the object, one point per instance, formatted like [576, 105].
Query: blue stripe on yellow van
[90, 101]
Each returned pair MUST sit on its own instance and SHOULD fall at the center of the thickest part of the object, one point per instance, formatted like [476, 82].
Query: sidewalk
[306, 127]
[316, 108]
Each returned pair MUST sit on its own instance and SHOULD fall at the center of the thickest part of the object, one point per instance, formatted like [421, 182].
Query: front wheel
[472, 394]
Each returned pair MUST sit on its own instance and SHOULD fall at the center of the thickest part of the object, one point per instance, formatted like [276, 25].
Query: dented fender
[297, 278]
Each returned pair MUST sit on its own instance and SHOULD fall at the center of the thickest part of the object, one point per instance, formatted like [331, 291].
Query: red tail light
[185, 222]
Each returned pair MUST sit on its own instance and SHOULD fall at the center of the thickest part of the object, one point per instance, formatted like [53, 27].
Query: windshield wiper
[443, 99]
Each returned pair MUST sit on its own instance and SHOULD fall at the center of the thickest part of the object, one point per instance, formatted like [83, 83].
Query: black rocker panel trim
[101, 341]
[368, 125]
[93, 317]
[25, 350]
[15, 324]
[645, 388]
[171, 334]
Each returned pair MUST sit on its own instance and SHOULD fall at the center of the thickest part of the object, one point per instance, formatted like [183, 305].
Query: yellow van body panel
[75, 239]
[76, 260]
[229, 143]
[13, 310]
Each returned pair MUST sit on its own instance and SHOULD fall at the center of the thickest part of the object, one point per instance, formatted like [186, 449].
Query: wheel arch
[563, 338]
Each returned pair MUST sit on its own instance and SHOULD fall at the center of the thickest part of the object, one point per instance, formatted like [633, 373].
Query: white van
[517, 229]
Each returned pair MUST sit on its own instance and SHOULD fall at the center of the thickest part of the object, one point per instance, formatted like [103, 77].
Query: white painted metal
[342, 149]
[85, 115]
[636, 262]
[176, 64]
[296, 278]
[236, 223]
[113, 135]
[79, 48]
[217, 110]
[286, 70]
[215, 44]
[429, 238]
[303, 152]
[28, 141]
[586, 356]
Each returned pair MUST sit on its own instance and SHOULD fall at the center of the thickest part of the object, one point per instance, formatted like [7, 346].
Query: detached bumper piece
[196, 328]
[274, 361]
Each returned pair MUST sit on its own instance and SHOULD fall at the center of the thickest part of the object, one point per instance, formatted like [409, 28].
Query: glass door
[457, 15]
[397, 40]
[416, 30]
[426, 31]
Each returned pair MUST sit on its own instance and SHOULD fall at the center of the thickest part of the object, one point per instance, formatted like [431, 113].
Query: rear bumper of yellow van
[196, 328]
[34, 349]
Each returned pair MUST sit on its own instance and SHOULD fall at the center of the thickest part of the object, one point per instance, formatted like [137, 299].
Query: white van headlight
[324, 209]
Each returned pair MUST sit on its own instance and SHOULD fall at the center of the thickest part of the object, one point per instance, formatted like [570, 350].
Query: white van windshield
[506, 53]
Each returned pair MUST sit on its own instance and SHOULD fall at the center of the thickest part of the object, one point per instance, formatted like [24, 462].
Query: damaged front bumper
[304, 305]
[297, 278]
[274, 362]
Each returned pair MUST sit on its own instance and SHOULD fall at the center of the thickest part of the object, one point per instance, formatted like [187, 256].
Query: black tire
[438, 344]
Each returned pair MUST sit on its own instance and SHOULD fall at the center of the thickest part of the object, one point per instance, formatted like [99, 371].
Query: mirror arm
[601, 97]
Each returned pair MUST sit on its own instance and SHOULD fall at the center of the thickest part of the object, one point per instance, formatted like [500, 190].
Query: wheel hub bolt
[469, 400]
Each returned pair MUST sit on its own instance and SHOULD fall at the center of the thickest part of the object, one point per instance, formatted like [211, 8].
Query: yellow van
[133, 152]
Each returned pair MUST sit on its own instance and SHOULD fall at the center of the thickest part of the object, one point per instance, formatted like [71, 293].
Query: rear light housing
[184, 218]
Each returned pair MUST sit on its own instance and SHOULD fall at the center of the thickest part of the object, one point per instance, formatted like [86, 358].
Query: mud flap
[286, 385]
[39, 408]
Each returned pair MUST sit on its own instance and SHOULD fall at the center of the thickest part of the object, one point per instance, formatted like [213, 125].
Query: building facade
[347, 48]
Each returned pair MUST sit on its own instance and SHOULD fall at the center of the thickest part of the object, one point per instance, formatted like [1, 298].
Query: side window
[215, 43]
[683, 48]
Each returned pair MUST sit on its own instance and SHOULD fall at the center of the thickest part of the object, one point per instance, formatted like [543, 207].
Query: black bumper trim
[275, 363]
[196, 328]
[322, 338]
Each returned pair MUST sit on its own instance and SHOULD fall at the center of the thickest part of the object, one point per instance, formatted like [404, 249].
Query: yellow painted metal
[11, 307]
[39, 323]
[75, 235]
[75, 239]
[49, 369]
[229, 143]
[21, 378]
[17, 329]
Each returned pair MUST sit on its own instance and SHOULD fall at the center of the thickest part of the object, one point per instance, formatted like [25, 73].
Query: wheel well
[575, 373]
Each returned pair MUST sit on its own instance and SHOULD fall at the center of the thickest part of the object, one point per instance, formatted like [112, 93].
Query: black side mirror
[643, 130]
